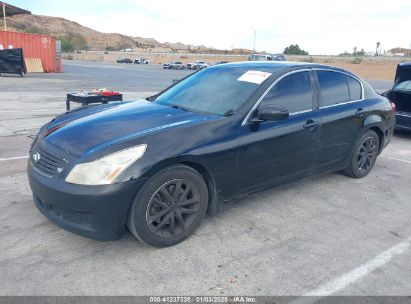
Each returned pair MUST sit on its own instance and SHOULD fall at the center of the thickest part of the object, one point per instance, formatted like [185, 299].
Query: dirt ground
[381, 71]
[379, 68]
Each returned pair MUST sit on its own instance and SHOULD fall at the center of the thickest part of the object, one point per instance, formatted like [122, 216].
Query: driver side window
[293, 92]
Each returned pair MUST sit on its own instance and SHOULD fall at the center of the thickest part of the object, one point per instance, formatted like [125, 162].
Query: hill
[74, 36]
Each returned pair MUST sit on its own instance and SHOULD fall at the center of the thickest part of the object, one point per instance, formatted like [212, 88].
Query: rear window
[355, 88]
[333, 88]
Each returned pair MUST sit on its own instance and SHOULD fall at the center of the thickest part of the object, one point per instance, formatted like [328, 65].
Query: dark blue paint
[235, 159]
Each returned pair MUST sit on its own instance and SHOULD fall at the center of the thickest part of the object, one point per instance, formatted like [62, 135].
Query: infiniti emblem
[36, 157]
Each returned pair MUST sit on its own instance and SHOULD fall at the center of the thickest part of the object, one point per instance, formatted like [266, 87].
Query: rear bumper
[96, 212]
[403, 121]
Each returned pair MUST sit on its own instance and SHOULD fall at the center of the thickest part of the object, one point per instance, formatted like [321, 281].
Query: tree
[294, 49]
[66, 45]
[354, 51]
[361, 52]
[73, 41]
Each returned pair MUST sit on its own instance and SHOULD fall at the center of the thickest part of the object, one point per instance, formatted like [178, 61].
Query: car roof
[282, 65]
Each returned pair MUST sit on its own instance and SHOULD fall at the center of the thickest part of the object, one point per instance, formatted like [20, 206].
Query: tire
[364, 155]
[161, 217]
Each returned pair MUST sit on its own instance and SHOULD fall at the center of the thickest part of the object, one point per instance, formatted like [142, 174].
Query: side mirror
[271, 112]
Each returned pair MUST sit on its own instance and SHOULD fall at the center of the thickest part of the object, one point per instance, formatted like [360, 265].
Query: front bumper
[403, 121]
[96, 212]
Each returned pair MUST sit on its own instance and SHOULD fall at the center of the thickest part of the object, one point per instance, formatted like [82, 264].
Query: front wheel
[169, 207]
[364, 155]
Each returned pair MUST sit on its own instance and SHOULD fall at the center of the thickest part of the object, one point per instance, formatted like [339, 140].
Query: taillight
[393, 106]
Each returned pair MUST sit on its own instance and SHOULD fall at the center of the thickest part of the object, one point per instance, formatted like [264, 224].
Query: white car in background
[199, 65]
[141, 61]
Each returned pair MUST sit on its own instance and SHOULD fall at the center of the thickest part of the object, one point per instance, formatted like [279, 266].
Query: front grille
[72, 216]
[48, 161]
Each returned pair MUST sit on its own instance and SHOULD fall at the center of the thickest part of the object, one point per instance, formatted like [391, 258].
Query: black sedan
[400, 94]
[125, 60]
[157, 166]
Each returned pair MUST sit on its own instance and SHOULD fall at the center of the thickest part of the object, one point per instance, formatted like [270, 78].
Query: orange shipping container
[34, 46]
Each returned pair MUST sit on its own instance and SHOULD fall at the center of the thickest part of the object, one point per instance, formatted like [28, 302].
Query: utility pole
[4, 16]
[255, 37]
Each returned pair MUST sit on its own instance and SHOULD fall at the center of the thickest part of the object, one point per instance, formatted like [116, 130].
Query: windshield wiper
[181, 108]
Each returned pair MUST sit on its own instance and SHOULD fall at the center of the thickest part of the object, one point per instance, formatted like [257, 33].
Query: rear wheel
[364, 155]
[169, 207]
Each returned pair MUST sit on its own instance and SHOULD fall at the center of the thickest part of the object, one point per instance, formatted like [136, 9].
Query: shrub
[35, 30]
[73, 41]
[356, 60]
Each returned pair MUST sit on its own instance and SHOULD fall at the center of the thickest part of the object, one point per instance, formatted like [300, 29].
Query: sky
[317, 26]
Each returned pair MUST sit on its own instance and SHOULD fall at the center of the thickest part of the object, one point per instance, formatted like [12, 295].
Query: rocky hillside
[81, 37]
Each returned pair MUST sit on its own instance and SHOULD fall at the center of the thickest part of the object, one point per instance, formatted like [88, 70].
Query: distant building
[399, 52]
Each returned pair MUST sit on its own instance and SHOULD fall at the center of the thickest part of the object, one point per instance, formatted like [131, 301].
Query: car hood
[403, 73]
[94, 128]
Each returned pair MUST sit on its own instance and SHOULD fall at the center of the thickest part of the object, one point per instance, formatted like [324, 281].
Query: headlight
[105, 170]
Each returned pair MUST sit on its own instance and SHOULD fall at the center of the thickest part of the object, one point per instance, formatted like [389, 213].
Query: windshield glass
[403, 86]
[215, 90]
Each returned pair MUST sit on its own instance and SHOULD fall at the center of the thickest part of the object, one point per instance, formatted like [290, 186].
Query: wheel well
[213, 202]
[380, 136]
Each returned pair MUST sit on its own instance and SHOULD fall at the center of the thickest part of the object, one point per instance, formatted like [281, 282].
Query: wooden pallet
[34, 65]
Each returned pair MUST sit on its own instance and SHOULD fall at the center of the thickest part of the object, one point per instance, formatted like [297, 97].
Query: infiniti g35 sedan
[157, 166]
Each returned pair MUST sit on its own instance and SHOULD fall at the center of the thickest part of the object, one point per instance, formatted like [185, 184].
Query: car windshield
[403, 86]
[218, 90]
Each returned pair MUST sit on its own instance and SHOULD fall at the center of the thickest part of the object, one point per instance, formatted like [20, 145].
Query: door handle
[310, 123]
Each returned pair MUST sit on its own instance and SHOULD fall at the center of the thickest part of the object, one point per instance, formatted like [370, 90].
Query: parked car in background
[199, 65]
[277, 57]
[259, 57]
[163, 162]
[266, 57]
[125, 60]
[141, 61]
[400, 94]
[174, 65]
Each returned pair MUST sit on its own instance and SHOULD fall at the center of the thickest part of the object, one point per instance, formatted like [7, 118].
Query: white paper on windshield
[254, 76]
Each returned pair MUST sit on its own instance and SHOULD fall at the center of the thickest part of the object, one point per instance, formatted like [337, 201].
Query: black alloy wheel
[173, 208]
[169, 207]
[367, 154]
[364, 155]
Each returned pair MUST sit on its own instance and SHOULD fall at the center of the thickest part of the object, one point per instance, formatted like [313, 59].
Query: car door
[342, 113]
[276, 151]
